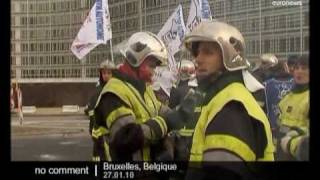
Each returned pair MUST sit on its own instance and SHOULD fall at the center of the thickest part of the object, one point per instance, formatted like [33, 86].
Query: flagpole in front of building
[140, 14]
[111, 50]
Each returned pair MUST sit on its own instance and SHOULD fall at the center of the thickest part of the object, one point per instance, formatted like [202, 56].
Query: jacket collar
[212, 86]
[139, 85]
[299, 88]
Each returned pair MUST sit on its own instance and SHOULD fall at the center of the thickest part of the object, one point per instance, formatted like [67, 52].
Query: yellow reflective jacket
[201, 142]
[141, 108]
[294, 110]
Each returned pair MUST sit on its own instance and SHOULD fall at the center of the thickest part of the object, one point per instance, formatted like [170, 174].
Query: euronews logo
[286, 3]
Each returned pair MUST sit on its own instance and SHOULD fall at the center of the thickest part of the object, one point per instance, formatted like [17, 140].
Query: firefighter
[184, 97]
[261, 71]
[185, 92]
[276, 87]
[261, 68]
[294, 115]
[127, 106]
[186, 82]
[232, 126]
[96, 131]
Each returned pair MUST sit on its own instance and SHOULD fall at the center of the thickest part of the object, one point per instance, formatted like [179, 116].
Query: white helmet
[268, 60]
[143, 44]
[186, 69]
[264, 62]
[227, 37]
[107, 64]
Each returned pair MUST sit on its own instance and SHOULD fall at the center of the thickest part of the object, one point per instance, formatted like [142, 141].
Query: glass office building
[42, 32]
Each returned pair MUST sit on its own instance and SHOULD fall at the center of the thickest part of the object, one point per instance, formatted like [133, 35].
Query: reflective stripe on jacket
[294, 110]
[201, 143]
[141, 108]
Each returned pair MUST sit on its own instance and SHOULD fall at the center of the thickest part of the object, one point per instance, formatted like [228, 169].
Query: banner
[173, 31]
[164, 78]
[172, 34]
[95, 30]
[199, 10]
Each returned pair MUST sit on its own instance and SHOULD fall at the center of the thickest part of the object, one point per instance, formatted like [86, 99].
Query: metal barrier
[29, 109]
[70, 108]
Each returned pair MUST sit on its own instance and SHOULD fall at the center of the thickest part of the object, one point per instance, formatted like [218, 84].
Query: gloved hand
[163, 150]
[188, 103]
[178, 118]
[128, 139]
[175, 120]
[302, 153]
[285, 140]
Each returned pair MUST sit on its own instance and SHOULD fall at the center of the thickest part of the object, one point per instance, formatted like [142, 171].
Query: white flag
[172, 64]
[199, 10]
[164, 78]
[172, 34]
[173, 31]
[95, 30]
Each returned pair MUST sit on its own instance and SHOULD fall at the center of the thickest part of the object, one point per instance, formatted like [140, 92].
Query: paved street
[50, 138]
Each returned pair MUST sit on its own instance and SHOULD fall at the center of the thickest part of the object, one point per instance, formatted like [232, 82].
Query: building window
[306, 19]
[13, 60]
[306, 43]
[24, 47]
[12, 47]
[282, 45]
[24, 21]
[291, 44]
[13, 73]
[131, 8]
[267, 23]
[277, 45]
[297, 43]
[23, 7]
[282, 21]
[276, 22]
[13, 6]
[266, 48]
[12, 34]
[291, 21]
[92, 72]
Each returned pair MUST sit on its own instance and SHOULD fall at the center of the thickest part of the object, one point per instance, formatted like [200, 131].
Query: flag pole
[111, 50]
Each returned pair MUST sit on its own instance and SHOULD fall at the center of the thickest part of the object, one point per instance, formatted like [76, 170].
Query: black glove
[128, 140]
[163, 150]
[179, 117]
[175, 120]
[188, 102]
[303, 149]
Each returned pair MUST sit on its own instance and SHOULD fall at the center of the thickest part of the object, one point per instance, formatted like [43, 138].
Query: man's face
[301, 74]
[208, 59]
[106, 74]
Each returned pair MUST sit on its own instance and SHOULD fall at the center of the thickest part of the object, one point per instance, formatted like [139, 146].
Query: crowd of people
[220, 108]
